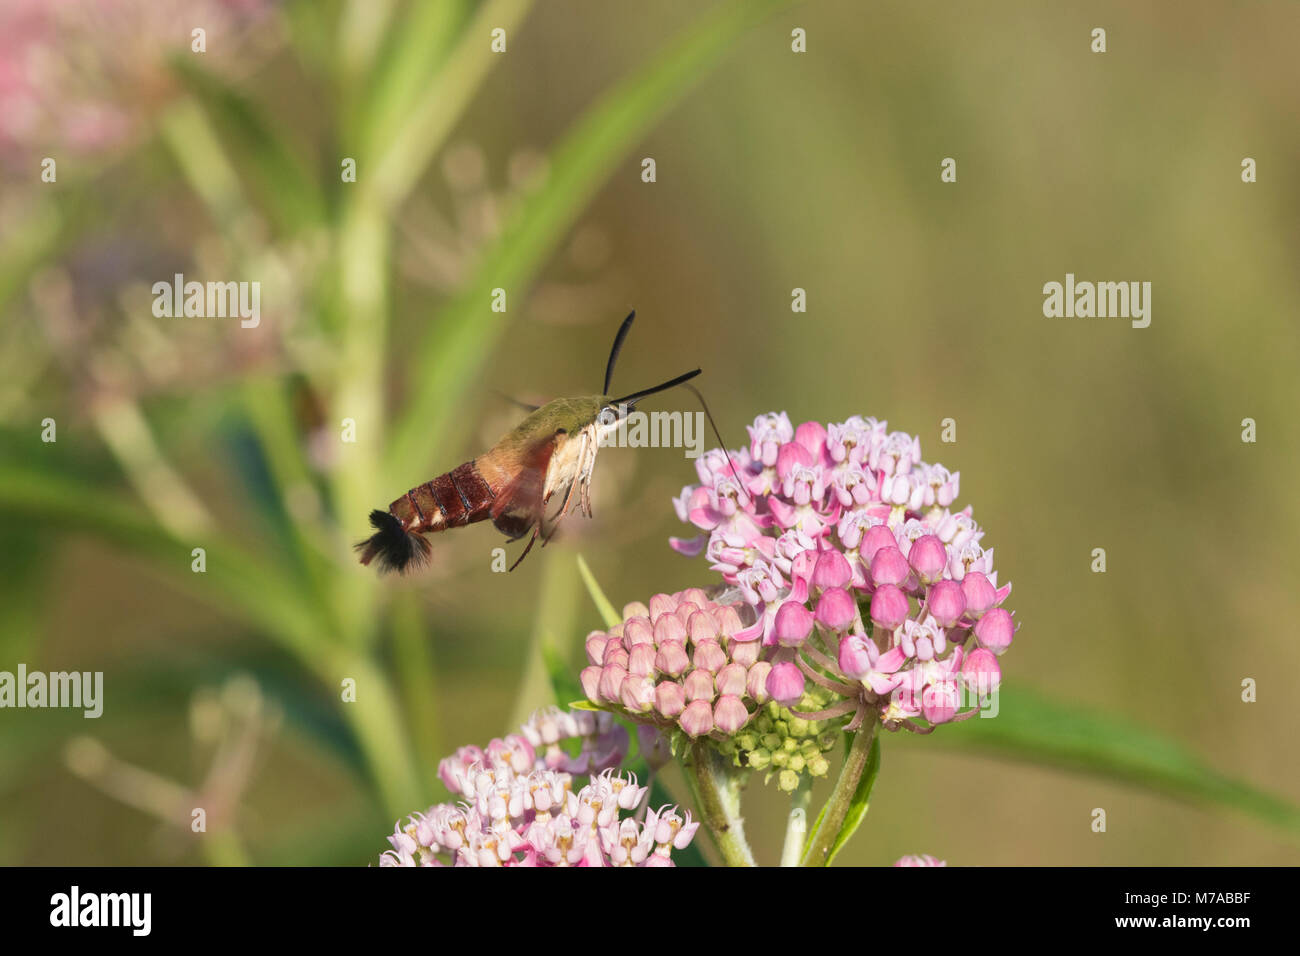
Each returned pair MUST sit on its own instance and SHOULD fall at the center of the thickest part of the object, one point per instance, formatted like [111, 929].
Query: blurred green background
[522, 170]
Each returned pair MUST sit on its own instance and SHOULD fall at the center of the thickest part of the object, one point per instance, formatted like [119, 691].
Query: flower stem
[717, 792]
[796, 826]
[837, 807]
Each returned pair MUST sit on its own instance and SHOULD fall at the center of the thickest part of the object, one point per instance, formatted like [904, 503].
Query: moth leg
[528, 547]
[564, 510]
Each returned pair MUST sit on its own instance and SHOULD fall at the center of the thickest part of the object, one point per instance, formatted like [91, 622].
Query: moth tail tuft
[396, 548]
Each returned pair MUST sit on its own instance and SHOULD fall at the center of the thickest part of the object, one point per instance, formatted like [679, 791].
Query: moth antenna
[631, 400]
[721, 444]
[617, 347]
[396, 548]
[527, 406]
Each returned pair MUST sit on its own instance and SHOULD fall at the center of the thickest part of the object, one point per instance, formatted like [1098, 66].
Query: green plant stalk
[429, 120]
[201, 156]
[717, 797]
[610, 616]
[222, 847]
[363, 246]
[796, 826]
[836, 810]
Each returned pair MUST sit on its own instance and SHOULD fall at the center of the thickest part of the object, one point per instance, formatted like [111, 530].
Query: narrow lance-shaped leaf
[1031, 728]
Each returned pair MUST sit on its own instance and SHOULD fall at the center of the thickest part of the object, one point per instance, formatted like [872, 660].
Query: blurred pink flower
[83, 75]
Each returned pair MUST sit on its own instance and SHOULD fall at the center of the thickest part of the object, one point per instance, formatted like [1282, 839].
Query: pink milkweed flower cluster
[520, 809]
[677, 663]
[861, 576]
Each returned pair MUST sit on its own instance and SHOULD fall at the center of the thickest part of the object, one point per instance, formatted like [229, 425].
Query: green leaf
[235, 579]
[453, 352]
[284, 182]
[561, 674]
[857, 806]
[406, 70]
[409, 130]
[603, 605]
[1034, 729]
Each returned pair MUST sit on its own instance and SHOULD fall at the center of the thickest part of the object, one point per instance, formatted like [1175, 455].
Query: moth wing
[519, 505]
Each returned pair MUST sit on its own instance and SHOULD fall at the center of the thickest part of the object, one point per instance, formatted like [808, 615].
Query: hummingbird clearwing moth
[548, 456]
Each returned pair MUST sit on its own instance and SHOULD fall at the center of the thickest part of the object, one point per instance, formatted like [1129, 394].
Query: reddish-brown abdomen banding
[459, 497]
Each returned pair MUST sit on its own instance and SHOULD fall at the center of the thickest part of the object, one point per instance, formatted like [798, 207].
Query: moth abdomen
[458, 497]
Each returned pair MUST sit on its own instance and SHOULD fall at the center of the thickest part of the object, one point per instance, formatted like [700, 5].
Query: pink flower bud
[791, 456]
[979, 593]
[697, 718]
[662, 604]
[923, 859]
[855, 657]
[615, 655]
[637, 630]
[889, 607]
[995, 630]
[831, 571]
[801, 572]
[731, 680]
[702, 626]
[695, 596]
[671, 659]
[590, 680]
[709, 656]
[744, 653]
[729, 621]
[611, 684]
[684, 612]
[669, 627]
[637, 694]
[928, 558]
[785, 683]
[635, 609]
[756, 680]
[699, 685]
[793, 624]
[946, 602]
[729, 714]
[670, 699]
[836, 609]
[876, 537]
[595, 645]
[939, 701]
[981, 672]
[812, 436]
[641, 662]
[889, 567]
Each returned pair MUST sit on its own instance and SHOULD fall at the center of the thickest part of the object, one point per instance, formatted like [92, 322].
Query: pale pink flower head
[522, 806]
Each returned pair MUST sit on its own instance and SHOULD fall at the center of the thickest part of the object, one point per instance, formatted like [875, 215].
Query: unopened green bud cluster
[785, 746]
